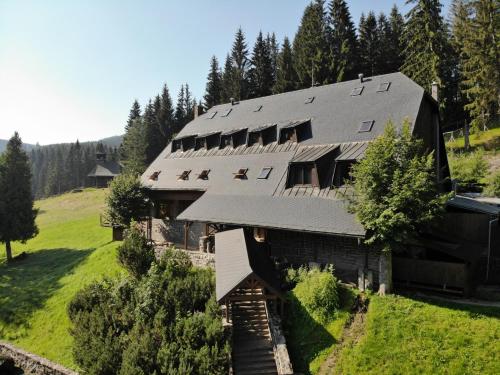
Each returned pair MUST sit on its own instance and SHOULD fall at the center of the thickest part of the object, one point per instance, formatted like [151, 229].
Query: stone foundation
[32, 364]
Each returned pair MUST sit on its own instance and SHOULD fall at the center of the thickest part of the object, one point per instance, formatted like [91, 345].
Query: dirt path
[353, 332]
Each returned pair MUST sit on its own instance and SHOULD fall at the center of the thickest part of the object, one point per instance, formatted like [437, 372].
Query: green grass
[70, 251]
[488, 140]
[412, 336]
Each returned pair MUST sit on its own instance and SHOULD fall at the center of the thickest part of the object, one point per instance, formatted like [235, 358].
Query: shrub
[318, 292]
[126, 200]
[135, 254]
[468, 168]
[493, 185]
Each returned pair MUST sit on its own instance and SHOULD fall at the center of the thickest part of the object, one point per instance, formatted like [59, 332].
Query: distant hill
[114, 141]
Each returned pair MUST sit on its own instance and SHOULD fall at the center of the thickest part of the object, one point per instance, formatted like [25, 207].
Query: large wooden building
[275, 166]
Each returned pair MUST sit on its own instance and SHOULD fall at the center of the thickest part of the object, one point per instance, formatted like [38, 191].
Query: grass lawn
[489, 140]
[414, 336]
[70, 251]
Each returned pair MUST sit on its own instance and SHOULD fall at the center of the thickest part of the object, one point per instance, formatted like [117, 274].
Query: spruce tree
[261, 70]
[134, 148]
[481, 61]
[135, 112]
[165, 116]
[426, 46]
[395, 45]
[180, 110]
[213, 91]
[274, 52]
[368, 44]
[189, 104]
[286, 78]
[17, 214]
[312, 55]
[227, 80]
[384, 39]
[239, 56]
[343, 42]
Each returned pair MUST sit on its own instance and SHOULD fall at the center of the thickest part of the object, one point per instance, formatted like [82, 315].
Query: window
[264, 173]
[302, 174]
[211, 115]
[226, 112]
[383, 86]
[309, 100]
[184, 175]
[259, 107]
[366, 126]
[204, 174]
[342, 172]
[154, 176]
[241, 174]
[295, 131]
[357, 91]
[262, 135]
[259, 234]
[200, 143]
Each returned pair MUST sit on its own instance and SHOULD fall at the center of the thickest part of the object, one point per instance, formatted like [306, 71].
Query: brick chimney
[198, 110]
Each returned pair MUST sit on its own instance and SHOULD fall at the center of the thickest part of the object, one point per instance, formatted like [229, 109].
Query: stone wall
[347, 254]
[283, 363]
[32, 364]
[198, 258]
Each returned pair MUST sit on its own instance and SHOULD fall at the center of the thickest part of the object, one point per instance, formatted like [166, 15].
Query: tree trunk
[8, 250]
[385, 273]
[466, 137]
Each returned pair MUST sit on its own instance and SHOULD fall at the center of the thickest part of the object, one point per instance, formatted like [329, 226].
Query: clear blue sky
[71, 69]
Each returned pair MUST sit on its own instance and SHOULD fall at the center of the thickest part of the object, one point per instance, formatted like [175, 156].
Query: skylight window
[226, 112]
[211, 115]
[241, 174]
[184, 175]
[357, 91]
[204, 174]
[366, 126]
[383, 86]
[259, 107]
[264, 173]
[309, 100]
[154, 176]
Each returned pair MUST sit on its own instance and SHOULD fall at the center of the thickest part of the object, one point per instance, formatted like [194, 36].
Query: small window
[383, 86]
[259, 107]
[184, 175]
[264, 173]
[357, 91]
[309, 100]
[366, 126]
[241, 174]
[211, 115]
[301, 174]
[259, 234]
[204, 174]
[226, 112]
[154, 176]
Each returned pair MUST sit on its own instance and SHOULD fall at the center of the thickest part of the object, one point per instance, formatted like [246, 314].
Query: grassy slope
[408, 336]
[70, 251]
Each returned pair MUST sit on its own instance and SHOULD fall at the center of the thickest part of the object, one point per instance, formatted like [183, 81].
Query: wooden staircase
[252, 346]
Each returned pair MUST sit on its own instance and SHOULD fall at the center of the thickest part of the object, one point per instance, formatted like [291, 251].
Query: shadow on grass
[26, 284]
[305, 337]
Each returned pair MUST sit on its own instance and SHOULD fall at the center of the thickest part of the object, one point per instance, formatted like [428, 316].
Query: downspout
[489, 248]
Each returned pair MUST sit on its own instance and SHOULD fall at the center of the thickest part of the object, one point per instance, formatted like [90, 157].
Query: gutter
[489, 248]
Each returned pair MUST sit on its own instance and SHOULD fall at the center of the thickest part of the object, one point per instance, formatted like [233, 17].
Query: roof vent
[361, 77]
[309, 100]
[366, 126]
[383, 86]
[357, 91]
[234, 101]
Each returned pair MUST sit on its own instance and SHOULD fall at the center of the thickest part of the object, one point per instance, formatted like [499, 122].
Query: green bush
[468, 168]
[318, 292]
[493, 185]
[135, 254]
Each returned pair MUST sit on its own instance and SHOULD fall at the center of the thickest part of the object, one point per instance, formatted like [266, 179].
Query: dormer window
[241, 174]
[303, 174]
[233, 138]
[154, 176]
[204, 174]
[295, 131]
[183, 143]
[312, 166]
[184, 175]
[207, 141]
[262, 135]
[342, 173]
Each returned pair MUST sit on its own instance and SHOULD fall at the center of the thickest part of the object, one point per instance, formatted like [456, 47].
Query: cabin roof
[107, 168]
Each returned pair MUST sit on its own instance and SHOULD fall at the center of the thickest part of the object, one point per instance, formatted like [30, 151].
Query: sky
[71, 69]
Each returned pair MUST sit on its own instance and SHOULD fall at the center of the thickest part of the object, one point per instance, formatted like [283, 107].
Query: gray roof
[105, 169]
[334, 116]
[236, 259]
[474, 205]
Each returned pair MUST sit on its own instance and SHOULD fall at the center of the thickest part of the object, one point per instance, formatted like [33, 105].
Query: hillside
[70, 251]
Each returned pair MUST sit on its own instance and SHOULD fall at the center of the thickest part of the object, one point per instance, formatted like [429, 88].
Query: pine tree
[369, 44]
[180, 110]
[384, 41]
[165, 116]
[261, 70]
[274, 51]
[134, 147]
[481, 61]
[343, 41]
[227, 80]
[189, 104]
[312, 55]
[17, 214]
[426, 47]
[135, 112]
[395, 46]
[239, 57]
[213, 91]
[286, 78]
